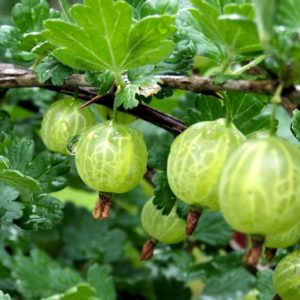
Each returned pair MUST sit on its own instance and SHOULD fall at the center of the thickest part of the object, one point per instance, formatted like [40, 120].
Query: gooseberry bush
[149, 149]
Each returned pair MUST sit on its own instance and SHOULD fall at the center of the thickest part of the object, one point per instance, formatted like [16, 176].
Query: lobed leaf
[102, 37]
[212, 229]
[24, 184]
[38, 276]
[81, 291]
[50, 170]
[41, 214]
[101, 279]
[9, 208]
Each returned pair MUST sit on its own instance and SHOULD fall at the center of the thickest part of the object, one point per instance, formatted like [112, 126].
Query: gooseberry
[62, 121]
[196, 159]
[286, 279]
[111, 157]
[260, 186]
[168, 229]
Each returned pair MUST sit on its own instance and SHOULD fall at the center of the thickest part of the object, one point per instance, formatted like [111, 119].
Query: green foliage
[102, 37]
[24, 41]
[78, 292]
[212, 230]
[51, 69]
[264, 284]
[246, 111]
[82, 241]
[38, 276]
[54, 250]
[100, 278]
[221, 29]
[295, 124]
[4, 296]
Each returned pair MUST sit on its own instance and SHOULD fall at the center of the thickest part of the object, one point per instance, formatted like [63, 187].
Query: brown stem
[270, 253]
[12, 76]
[102, 206]
[276, 297]
[147, 251]
[252, 256]
[192, 220]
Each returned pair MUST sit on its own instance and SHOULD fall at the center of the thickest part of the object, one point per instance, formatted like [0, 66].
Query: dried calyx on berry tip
[102, 206]
[148, 249]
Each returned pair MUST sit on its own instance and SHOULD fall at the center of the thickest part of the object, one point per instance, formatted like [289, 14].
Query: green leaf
[207, 108]
[102, 37]
[9, 208]
[265, 12]
[41, 214]
[264, 284]
[5, 123]
[142, 75]
[101, 279]
[163, 196]
[288, 14]
[52, 69]
[4, 296]
[158, 7]
[29, 14]
[103, 80]
[233, 32]
[158, 155]
[215, 267]
[9, 40]
[4, 163]
[231, 285]
[50, 170]
[38, 276]
[90, 239]
[22, 183]
[19, 152]
[127, 96]
[246, 112]
[81, 291]
[212, 229]
[295, 124]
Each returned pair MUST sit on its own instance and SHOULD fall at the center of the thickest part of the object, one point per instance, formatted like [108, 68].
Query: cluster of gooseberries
[211, 165]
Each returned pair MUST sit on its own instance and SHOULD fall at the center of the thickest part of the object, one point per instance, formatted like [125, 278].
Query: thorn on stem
[102, 206]
[93, 100]
[147, 251]
[252, 256]
[270, 253]
[192, 220]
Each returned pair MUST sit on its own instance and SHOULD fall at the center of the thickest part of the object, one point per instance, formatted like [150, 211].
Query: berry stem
[250, 65]
[192, 220]
[276, 100]
[270, 253]
[120, 86]
[228, 109]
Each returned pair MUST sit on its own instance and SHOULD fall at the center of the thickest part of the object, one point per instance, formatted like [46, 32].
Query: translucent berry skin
[62, 121]
[284, 239]
[286, 277]
[168, 229]
[111, 157]
[260, 186]
[196, 159]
